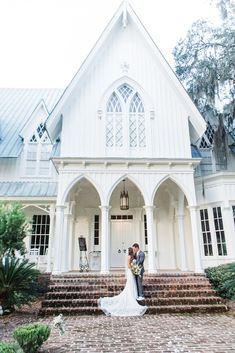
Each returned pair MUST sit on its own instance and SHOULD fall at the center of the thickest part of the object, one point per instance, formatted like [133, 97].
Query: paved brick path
[150, 334]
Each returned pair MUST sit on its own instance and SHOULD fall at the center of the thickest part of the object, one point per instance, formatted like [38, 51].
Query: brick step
[115, 287]
[165, 293]
[148, 294]
[122, 275]
[215, 308]
[92, 302]
[122, 280]
[206, 308]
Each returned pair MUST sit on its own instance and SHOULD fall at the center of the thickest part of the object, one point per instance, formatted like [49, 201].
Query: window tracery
[38, 153]
[125, 112]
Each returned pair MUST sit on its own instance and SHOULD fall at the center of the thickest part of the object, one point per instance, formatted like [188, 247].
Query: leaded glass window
[38, 153]
[208, 137]
[114, 129]
[125, 112]
[137, 136]
[114, 104]
[125, 91]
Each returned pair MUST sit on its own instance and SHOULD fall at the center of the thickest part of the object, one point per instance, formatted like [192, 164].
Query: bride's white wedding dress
[123, 304]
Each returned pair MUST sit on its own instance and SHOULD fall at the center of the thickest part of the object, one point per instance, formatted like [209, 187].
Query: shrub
[223, 279]
[18, 282]
[13, 229]
[31, 337]
[8, 348]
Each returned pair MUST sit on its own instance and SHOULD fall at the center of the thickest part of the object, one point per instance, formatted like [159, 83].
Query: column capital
[193, 207]
[226, 205]
[52, 209]
[105, 207]
[180, 215]
[149, 207]
[60, 207]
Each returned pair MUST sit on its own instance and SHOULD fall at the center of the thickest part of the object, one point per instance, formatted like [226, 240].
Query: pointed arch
[178, 183]
[74, 182]
[133, 85]
[114, 105]
[119, 180]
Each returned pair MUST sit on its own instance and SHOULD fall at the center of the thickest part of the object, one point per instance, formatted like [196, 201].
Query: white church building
[122, 155]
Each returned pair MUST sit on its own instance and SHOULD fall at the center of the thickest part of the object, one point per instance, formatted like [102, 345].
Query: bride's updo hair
[130, 251]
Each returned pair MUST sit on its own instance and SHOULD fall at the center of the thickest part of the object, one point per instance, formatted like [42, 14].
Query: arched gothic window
[38, 153]
[125, 119]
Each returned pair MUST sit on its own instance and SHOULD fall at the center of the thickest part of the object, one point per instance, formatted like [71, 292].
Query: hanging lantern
[124, 198]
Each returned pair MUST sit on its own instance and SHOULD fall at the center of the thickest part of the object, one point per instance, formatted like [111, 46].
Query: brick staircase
[164, 293]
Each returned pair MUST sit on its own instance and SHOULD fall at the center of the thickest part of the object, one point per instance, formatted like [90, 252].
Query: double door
[122, 237]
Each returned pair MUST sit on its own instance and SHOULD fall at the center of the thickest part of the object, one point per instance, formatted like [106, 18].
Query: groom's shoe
[140, 298]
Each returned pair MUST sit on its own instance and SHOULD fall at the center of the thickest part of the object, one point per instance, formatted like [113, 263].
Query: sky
[44, 42]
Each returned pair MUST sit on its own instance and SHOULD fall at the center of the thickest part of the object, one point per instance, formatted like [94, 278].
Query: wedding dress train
[123, 304]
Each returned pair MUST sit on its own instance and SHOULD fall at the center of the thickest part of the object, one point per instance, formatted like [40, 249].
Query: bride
[124, 304]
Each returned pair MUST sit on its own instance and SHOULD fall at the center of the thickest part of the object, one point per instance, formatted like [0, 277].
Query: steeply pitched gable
[122, 17]
[16, 108]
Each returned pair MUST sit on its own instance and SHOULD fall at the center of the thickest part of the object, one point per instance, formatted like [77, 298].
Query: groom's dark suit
[140, 256]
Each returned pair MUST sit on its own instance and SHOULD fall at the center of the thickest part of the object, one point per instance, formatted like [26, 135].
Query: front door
[122, 237]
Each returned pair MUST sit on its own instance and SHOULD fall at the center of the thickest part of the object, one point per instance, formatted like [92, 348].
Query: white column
[65, 244]
[51, 238]
[70, 242]
[195, 238]
[183, 261]
[105, 236]
[58, 239]
[151, 239]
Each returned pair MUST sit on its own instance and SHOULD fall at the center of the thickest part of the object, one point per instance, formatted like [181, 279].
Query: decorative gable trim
[39, 115]
[123, 13]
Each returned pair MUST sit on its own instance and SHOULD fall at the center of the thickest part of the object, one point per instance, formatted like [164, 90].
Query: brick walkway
[150, 334]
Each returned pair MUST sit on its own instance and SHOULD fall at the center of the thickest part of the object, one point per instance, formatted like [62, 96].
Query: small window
[208, 137]
[219, 231]
[206, 234]
[96, 230]
[40, 233]
[38, 152]
[145, 230]
[121, 217]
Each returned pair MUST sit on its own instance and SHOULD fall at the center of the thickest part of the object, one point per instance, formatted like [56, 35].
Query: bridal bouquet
[135, 269]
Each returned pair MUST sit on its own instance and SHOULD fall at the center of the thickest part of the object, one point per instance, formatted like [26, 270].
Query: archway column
[51, 238]
[58, 239]
[183, 259]
[149, 209]
[105, 236]
[195, 238]
[66, 241]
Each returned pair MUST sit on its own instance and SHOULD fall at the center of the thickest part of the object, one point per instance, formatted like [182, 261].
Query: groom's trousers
[139, 282]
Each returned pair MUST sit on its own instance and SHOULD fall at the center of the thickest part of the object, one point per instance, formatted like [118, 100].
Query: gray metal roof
[28, 189]
[16, 107]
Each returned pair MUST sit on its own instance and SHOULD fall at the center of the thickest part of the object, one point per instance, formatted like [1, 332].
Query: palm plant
[18, 282]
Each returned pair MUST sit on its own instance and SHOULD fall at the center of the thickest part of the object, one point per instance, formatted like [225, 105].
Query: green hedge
[223, 279]
[9, 348]
[31, 337]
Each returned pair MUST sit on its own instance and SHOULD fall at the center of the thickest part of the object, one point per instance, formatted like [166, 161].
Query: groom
[139, 256]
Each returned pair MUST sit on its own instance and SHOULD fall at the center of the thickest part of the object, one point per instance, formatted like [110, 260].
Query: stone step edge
[85, 286]
[164, 301]
[155, 291]
[166, 309]
[163, 274]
